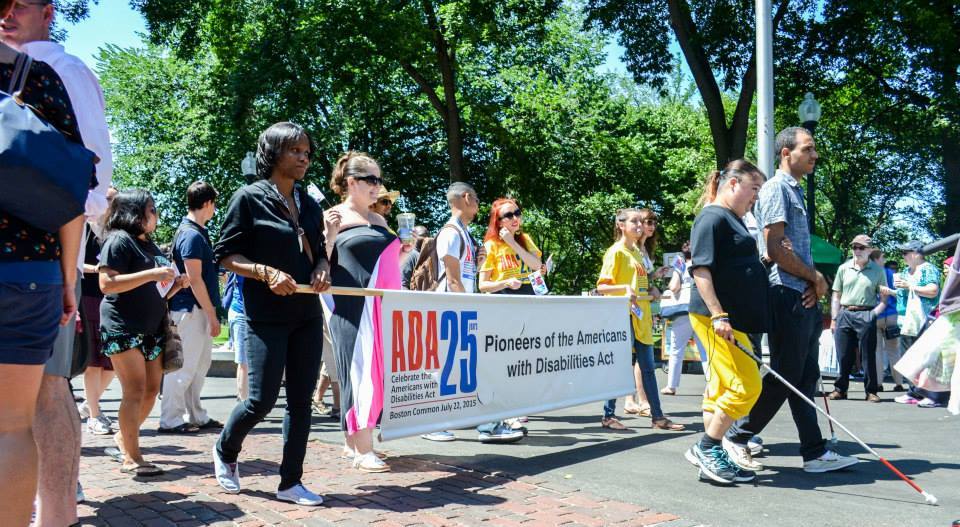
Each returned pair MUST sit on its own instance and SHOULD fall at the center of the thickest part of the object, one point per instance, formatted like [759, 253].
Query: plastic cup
[405, 223]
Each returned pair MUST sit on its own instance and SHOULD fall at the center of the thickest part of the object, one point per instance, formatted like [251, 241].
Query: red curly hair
[493, 227]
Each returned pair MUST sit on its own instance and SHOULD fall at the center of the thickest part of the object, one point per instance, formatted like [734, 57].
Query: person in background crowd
[99, 372]
[680, 331]
[237, 322]
[888, 332]
[420, 232]
[38, 277]
[328, 365]
[365, 255]
[625, 273]
[27, 28]
[458, 254]
[921, 282]
[950, 307]
[728, 302]
[511, 257]
[272, 236]
[132, 315]
[795, 287]
[195, 314]
[859, 297]
[384, 204]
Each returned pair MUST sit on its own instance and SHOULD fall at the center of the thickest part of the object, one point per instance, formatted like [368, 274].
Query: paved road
[567, 451]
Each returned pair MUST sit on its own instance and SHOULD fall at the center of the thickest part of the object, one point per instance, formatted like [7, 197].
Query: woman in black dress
[272, 236]
[364, 254]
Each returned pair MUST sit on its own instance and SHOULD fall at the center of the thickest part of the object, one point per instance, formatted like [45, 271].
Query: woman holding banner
[728, 302]
[365, 254]
[625, 273]
[272, 236]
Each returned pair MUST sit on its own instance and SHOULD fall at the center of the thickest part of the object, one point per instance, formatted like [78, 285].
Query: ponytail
[348, 164]
[737, 169]
[710, 188]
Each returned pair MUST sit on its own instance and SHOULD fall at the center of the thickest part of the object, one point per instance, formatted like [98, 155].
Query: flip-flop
[142, 470]
[612, 423]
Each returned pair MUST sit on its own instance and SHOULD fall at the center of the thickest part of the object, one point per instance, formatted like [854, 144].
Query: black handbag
[44, 178]
[891, 332]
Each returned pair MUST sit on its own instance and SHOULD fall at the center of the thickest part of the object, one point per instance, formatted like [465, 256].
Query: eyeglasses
[511, 215]
[385, 202]
[649, 221]
[375, 181]
[857, 247]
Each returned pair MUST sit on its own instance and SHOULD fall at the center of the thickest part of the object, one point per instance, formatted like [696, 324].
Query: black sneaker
[715, 465]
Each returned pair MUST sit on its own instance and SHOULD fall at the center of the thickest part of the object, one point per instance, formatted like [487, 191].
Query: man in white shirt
[460, 257]
[57, 425]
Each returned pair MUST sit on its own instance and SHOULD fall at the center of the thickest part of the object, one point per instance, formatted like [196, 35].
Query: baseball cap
[912, 246]
[384, 193]
[862, 239]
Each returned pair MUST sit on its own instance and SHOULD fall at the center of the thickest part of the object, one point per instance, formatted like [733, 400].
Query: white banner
[455, 361]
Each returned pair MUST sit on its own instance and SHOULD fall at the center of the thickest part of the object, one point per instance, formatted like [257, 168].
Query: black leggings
[271, 347]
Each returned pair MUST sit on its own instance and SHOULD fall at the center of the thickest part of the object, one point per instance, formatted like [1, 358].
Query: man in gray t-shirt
[795, 287]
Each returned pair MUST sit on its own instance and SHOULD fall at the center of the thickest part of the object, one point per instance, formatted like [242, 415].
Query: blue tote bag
[44, 178]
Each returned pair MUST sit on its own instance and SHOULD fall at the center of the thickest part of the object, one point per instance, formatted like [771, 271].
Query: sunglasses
[511, 215]
[385, 202]
[370, 180]
[857, 247]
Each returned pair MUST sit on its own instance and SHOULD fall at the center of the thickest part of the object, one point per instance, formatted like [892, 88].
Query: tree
[717, 42]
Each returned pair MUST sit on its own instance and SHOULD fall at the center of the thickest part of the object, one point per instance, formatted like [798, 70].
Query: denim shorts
[29, 321]
[238, 335]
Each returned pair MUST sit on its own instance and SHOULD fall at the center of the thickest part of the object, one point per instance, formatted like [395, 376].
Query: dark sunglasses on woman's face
[511, 215]
[370, 180]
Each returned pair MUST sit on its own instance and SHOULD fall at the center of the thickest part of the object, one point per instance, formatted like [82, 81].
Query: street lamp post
[809, 115]
[248, 167]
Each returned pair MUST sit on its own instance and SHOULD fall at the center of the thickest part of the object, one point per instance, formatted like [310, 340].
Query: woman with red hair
[511, 254]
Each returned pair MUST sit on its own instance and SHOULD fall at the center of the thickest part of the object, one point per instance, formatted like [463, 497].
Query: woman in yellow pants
[729, 301]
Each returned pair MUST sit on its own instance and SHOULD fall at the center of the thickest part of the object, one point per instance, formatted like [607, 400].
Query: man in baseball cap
[912, 246]
[854, 309]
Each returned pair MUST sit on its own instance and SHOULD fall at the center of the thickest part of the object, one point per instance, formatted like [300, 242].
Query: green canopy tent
[826, 257]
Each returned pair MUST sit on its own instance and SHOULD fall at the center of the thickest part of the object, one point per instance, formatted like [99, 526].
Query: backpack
[426, 274]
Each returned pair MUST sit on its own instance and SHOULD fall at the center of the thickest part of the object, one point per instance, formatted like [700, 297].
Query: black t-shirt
[258, 227]
[90, 283]
[721, 242]
[139, 310]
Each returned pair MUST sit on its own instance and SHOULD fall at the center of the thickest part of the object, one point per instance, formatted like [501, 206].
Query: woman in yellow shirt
[511, 254]
[625, 273]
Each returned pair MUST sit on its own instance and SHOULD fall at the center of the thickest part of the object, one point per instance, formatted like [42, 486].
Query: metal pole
[812, 184]
[765, 132]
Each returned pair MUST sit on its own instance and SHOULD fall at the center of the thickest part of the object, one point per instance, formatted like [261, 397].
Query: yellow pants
[734, 382]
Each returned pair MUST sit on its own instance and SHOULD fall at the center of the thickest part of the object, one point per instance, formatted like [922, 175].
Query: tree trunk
[950, 155]
[447, 63]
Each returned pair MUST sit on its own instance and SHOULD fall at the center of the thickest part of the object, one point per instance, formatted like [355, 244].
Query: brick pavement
[415, 492]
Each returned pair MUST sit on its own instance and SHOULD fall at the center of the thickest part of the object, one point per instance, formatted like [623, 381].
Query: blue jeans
[644, 357]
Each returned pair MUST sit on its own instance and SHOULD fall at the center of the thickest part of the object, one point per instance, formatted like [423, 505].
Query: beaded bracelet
[720, 315]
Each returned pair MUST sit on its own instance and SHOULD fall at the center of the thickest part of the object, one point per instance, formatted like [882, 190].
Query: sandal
[146, 470]
[666, 424]
[668, 391]
[612, 423]
[185, 428]
[642, 411]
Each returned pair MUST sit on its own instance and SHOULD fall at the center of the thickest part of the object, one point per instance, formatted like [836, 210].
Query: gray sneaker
[98, 427]
[829, 461]
[715, 465]
[442, 436]
[501, 434]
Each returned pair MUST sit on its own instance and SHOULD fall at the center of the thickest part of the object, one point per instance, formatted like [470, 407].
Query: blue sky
[115, 22]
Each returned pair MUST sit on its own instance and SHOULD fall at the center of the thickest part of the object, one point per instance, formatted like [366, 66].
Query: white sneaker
[755, 444]
[741, 456]
[829, 461]
[97, 427]
[228, 474]
[300, 495]
[83, 409]
[500, 434]
[441, 436]
[369, 462]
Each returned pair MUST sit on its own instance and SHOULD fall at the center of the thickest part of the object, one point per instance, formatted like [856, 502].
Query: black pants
[856, 330]
[271, 347]
[794, 345]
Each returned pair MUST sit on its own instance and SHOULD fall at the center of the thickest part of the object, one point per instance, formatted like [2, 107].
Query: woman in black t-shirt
[729, 301]
[132, 271]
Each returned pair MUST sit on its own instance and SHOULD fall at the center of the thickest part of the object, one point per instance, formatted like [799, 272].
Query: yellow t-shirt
[622, 266]
[503, 263]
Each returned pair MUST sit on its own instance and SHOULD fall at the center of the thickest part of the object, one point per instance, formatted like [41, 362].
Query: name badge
[468, 270]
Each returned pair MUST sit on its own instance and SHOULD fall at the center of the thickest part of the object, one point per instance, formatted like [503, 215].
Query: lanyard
[302, 240]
